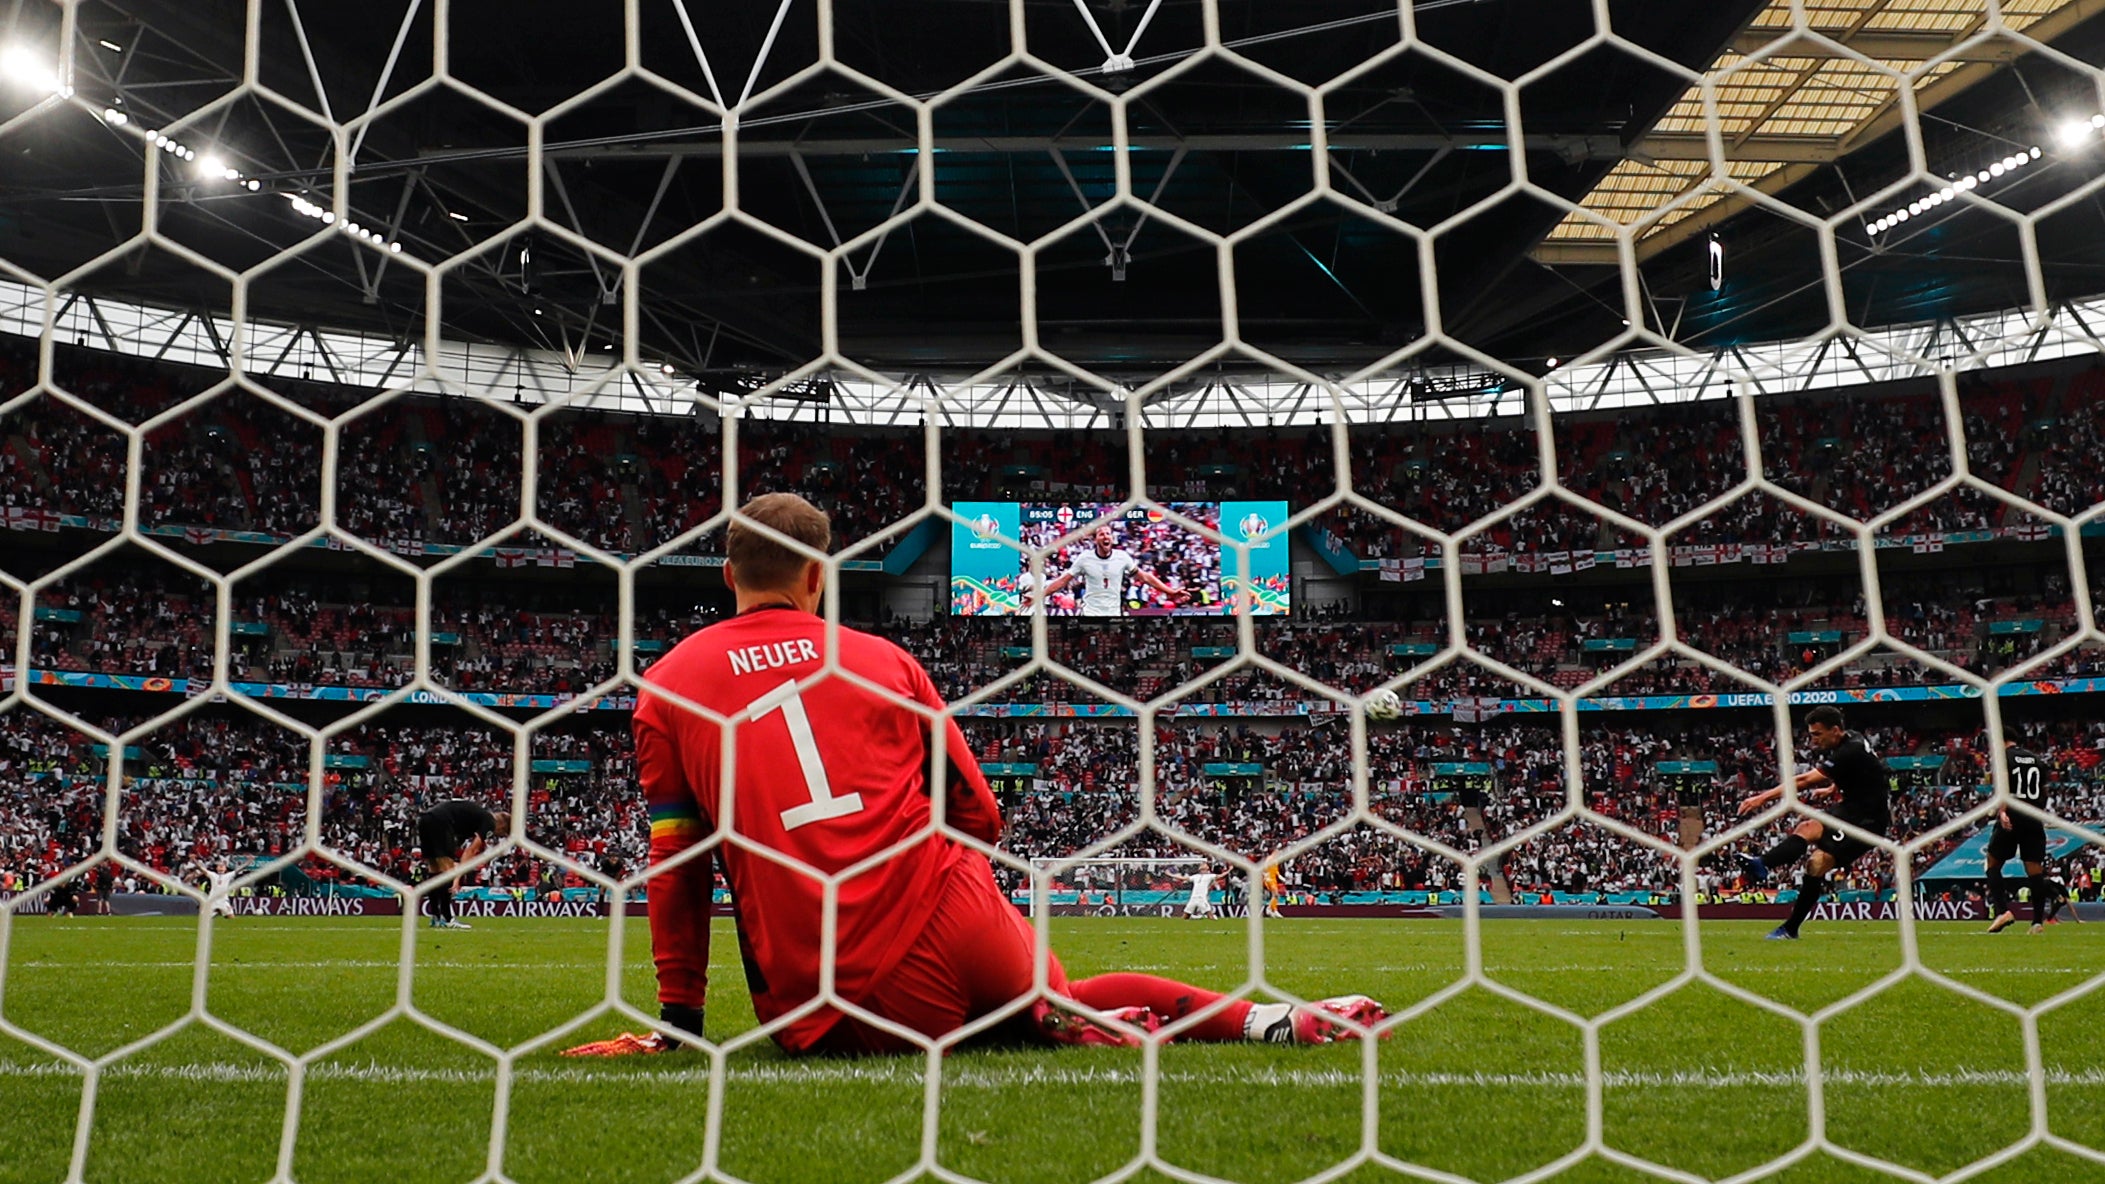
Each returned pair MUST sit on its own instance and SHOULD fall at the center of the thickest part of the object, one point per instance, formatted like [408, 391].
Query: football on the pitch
[1384, 704]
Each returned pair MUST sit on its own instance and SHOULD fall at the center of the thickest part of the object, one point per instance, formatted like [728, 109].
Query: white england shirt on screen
[1103, 580]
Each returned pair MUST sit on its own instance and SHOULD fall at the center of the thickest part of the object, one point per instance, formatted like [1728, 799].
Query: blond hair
[759, 560]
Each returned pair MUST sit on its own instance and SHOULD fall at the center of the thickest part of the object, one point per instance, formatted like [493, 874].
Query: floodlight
[25, 67]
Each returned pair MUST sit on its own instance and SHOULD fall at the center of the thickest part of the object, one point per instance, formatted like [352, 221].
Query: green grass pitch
[1479, 1085]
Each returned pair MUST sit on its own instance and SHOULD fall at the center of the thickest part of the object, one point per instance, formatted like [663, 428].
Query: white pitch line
[1663, 969]
[219, 966]
[907, 1073]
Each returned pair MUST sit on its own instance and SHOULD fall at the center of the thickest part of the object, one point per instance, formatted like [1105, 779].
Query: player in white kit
[1103, 570]
[219, 882]
[1027, 595]
[1201, 902]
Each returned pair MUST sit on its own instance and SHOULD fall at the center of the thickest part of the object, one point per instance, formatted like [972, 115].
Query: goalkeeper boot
[2005, 920]
[626, 1045]
[1320, 1023]
[1072, 1027]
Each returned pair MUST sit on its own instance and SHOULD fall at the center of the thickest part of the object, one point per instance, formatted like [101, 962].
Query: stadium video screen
[1139, 563]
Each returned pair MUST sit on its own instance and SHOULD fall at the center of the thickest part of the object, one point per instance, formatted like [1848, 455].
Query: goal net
[1436, 453]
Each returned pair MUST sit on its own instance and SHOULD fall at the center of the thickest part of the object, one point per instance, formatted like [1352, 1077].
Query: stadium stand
[221, 783]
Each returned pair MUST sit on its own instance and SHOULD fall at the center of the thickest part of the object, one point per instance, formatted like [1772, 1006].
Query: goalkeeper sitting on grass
[833, 776]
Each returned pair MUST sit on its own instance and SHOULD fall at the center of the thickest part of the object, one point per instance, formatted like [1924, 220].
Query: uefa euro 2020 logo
[985, 528]
[1254, 525]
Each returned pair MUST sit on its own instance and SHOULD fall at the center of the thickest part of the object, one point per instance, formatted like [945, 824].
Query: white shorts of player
[1198, 906]
[222, 907]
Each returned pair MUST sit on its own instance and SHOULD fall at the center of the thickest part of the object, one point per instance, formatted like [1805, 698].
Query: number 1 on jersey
[823, 805]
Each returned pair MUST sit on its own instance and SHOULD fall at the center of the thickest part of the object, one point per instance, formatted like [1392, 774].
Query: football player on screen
[1102, 571]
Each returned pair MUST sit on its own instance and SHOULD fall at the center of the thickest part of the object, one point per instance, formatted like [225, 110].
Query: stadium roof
[1797, 103]
[1416, 137]
[531, 378]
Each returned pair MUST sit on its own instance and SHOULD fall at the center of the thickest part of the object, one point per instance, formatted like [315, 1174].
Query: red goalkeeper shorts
[974, 958]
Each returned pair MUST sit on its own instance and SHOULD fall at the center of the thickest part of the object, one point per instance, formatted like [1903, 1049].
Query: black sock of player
[1789, 850]
[2039, 899]
[1998, 892]
[442, 903]
[1810, 887]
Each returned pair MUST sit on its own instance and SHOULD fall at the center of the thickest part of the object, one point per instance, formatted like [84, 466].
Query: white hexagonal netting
[1471, 503]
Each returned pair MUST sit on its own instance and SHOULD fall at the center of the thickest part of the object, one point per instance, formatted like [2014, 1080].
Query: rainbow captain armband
[676, 820]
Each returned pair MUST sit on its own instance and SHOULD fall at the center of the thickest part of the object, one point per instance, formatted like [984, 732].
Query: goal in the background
[1125, 887]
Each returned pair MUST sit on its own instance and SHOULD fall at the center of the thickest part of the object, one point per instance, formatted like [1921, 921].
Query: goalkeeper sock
[442, 904]
[1789, 850]
[1167, 998]
[1270, 1023]
[1998, 891]
[681, 1016]
[2039, 899]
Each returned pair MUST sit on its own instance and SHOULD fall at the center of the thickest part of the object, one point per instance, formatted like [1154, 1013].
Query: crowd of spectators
[416, 469]
[1080, 801]
[2068, 437]
[446, 469]
[1157, 657]
[313, 629]
[1859, 455]
[208, 788]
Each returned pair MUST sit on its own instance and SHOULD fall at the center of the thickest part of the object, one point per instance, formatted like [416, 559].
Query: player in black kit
[2021, 834]
[449, 833]
[1845, 767]
[2058, 901]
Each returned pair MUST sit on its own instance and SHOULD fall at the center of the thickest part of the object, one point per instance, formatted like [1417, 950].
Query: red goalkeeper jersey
[828, 775]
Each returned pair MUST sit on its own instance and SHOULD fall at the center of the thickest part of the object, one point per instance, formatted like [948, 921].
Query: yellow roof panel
[1633, 190]
[1811, 98]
